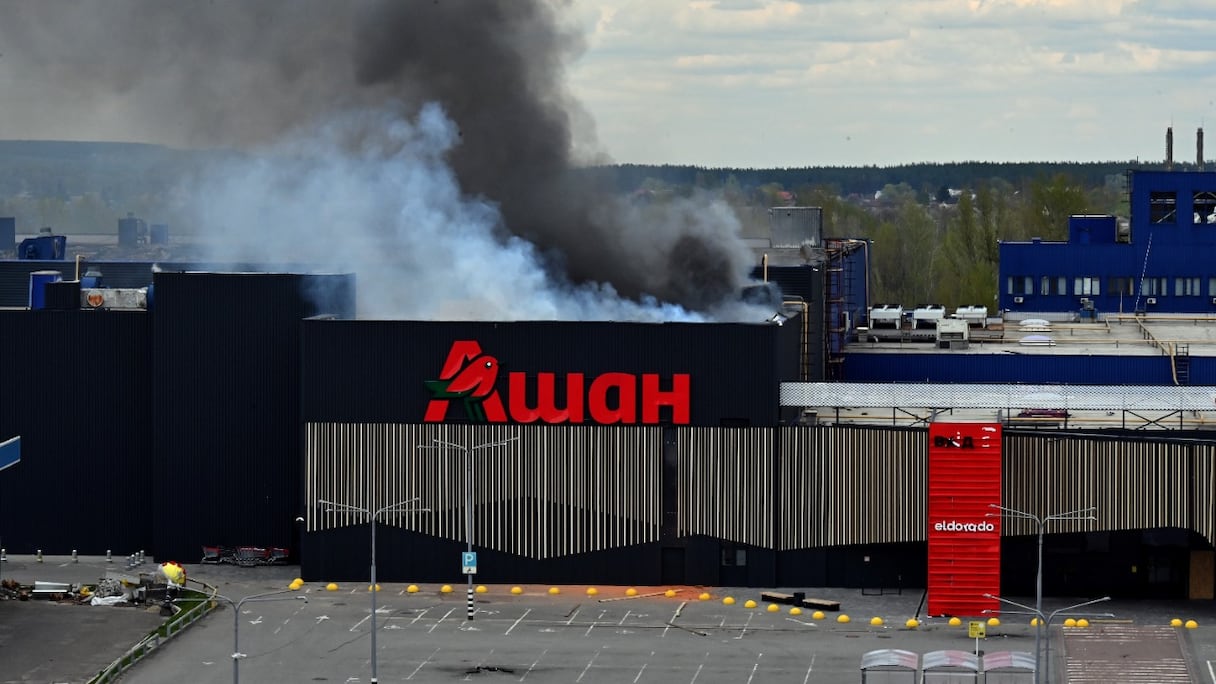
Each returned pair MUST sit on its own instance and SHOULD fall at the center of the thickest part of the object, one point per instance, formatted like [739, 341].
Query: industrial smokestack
[1199, 149]
[1169, 148]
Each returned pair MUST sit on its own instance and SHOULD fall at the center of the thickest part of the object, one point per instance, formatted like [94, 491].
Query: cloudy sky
[771, 83]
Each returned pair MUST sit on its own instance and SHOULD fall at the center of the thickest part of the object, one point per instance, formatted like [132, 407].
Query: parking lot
[569, 637]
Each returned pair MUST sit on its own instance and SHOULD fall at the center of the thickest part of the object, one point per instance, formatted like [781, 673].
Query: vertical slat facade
[726, 484]
[544, 492]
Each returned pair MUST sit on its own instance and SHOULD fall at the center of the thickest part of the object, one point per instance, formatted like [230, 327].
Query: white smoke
[371, 193]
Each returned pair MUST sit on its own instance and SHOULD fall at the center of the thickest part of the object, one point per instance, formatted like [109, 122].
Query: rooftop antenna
[1169, 148]
[1199, 148]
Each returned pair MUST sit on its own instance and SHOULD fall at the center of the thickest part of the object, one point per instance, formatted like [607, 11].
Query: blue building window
[1155, 286]
[1121, 286]
[1163, 207]
[1019, 285]
[1087, 286]
[1186, 287]
[1053, 285]
[1205, 206]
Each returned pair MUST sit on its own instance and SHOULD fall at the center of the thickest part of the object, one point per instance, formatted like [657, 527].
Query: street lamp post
[1041, 521]
[468, 500]
[236, 620]
[1046, 622]
[405, 506]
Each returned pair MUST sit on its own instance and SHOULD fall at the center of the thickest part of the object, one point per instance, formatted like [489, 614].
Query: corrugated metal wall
[544, 492]
[1021, 368]
[226, 421]
[76, 389]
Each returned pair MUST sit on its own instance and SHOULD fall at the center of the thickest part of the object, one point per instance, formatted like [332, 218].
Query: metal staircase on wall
[1182, 364]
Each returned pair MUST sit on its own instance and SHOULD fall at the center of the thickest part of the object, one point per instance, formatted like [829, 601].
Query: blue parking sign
[468, 562]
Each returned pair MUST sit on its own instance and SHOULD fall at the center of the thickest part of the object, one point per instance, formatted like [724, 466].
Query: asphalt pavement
[538, 636]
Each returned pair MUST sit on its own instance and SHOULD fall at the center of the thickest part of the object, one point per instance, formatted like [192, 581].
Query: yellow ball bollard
[670, 593]
[773, 608]
[704, 596]
[1082, 622]
[994, 622]
[481, 589]
[331, 587]
[631, 592]
[296, 584]
[373, 587]
[795, 611]
[1191, 624]
[445, 589]
[912, 623]
[842, 618]
[592, 591]
[516, 591]
[750, 604]
[1034, 622]
[955, 622]
[818, 615]
[728, 601]
[554, 591]
[1070, 622]
[1176, 622]
[876, 621]
[412, 589]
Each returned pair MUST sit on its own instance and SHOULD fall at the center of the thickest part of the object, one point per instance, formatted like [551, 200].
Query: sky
[784, 83]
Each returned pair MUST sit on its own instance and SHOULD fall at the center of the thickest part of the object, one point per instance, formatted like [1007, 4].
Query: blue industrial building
[1157, 261]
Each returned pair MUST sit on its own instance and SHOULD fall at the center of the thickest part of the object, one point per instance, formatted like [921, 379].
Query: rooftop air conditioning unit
[1151, 300]
[1019, 300]
[1214, 300]
[1085, 301]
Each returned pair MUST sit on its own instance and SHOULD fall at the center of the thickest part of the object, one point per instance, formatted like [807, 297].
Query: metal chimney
[1199, 148]
[1169, 148]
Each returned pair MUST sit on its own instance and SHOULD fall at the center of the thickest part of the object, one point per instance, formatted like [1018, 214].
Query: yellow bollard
[631, 592]
[332, 586]
[955, 622]
[750, 604]
[1070, 622]
[554, 591]
[670, 593]
[1176, 622]
[445, 589]
[876, 621]
[795, 611]
[375, 587]
[481, 589]
[994, 622]
[413, 589]
[842, 618]
[912, 623]
[704, 596]
[516, 591]
[773, 608]
[1191, 624]
[592, 591]
[818, 615]
[728, 601]
[1082, 622]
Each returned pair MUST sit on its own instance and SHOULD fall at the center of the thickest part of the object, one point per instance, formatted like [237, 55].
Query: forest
[935, 226]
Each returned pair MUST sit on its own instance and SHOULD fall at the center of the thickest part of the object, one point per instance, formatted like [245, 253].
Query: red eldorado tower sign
[964, 536]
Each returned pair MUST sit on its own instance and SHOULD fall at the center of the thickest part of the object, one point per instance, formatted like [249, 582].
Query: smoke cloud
[426, 144]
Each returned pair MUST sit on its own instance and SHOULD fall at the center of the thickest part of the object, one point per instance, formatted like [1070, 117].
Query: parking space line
[419, 615]
[573, 615]
[674, 616]
[635, 679]
[810, 667]
[533, 665]
[445, 616]
[516, 623]
[1211, 672]
[420, 665]
[589, 662]
[745, 626]
[699, 666]
[355, 628]
[754, 668]
[623, 619]
[589, 628]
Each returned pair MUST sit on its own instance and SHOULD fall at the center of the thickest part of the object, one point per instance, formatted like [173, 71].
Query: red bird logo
[468, 375]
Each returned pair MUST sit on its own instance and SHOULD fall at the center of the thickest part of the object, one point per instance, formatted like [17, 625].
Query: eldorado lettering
[470, 376]
[956, 526]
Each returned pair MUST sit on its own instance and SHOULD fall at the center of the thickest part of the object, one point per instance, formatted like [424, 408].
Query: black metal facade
[376, 371]
[76, 389]
[226, 387]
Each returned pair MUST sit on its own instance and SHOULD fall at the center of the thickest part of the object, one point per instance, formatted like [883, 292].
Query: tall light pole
[1046, 621]
[468, 500]
[236, 619]
[405, 506]
[1041, 521]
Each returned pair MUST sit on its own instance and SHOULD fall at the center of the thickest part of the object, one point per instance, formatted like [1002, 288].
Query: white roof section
[890, 658]
[995, 396]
